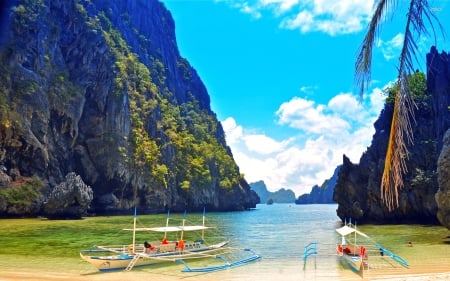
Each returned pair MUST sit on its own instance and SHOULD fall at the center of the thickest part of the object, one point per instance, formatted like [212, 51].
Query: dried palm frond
[401, 131]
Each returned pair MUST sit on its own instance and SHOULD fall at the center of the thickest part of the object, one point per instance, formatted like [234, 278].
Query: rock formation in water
[280, 196]
[439, 82]
[320, 194]
[358, 187]
[98, 88]
[443, 194]
[69, 199]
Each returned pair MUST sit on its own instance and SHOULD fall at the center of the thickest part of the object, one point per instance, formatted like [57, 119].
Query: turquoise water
[277, 232]
[280, 232]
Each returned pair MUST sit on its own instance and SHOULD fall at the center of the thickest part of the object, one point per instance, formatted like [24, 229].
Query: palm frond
[401, 133]
[363, 63]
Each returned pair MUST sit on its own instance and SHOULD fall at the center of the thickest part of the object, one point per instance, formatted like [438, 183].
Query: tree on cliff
[419, 14]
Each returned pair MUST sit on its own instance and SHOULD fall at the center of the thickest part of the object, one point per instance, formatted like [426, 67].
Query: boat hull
[122, 260]
[115, 262]
[355, 262]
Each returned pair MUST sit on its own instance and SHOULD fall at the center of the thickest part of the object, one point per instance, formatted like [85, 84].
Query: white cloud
[325, 132]
[263, 145]
[232, 130]
[391, 49]
[308, 89]
[328, 16]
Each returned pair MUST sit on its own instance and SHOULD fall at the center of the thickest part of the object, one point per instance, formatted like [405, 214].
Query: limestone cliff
[358, 187]
[98, 88]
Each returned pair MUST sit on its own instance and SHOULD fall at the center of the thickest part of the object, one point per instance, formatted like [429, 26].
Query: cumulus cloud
[391, 49]
[328, 16]
[325, 132]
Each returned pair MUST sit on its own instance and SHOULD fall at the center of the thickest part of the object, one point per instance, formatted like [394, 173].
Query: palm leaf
[401, 130]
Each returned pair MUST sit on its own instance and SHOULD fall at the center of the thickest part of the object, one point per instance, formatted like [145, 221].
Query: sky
[280, 75]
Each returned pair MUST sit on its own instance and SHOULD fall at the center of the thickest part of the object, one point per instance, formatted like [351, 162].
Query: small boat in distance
[117, 257]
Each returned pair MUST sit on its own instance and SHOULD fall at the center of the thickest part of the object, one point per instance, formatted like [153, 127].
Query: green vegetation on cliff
[87, 88]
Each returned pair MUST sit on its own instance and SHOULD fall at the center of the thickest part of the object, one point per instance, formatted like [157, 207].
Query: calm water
[279, 234]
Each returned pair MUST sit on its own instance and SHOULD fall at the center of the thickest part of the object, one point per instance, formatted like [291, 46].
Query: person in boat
[339, 248]
[164, 241]
[180, 245]
[148, 246]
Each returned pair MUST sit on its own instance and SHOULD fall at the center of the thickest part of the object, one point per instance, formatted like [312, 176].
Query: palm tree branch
[401, 133]
[364, 59]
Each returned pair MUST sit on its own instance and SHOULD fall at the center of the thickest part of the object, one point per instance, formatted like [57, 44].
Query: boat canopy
[170, 228]
[345, 230]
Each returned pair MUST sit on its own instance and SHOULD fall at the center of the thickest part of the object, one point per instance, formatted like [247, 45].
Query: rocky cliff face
[98, 88]
[439, 72]
[358, 187]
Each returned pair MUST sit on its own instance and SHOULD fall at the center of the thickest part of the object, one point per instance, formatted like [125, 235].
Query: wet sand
[48, 270]
[415, 275]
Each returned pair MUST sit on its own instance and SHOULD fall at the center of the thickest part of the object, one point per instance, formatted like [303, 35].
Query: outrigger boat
[356, 256]
[107, 258]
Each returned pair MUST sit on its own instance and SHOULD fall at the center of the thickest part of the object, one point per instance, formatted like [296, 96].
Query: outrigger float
[107, 258]
[356, 256]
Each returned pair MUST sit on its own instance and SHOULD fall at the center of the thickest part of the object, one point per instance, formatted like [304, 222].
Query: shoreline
[77, 270]
[7, 275]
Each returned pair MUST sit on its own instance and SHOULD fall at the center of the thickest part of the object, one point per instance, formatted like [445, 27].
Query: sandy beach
[263, 271]
[413, 275]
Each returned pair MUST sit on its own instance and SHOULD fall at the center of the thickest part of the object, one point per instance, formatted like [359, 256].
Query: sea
[278, 233]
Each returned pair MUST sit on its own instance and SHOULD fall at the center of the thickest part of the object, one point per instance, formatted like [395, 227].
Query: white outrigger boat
[356, 256]
[107, 258]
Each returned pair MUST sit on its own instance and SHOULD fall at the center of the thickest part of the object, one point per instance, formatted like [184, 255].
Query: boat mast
[203, 230]
[134, 231]
[182, 229]
[167, 224]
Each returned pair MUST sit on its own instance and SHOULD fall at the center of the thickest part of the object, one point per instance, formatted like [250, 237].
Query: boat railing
[310, 249]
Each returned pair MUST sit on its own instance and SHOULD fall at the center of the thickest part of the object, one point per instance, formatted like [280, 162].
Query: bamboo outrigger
[352, 253]
[107, 258]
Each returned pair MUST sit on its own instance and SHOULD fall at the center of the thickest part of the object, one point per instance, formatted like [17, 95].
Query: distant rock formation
[69, 199]
[357, 190]
[320, 194]
[280, 196]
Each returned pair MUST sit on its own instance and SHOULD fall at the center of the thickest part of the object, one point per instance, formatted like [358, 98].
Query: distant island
[321, 194]
[268, 197]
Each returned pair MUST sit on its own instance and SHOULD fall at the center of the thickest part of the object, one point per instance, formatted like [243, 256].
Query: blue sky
[280, 76]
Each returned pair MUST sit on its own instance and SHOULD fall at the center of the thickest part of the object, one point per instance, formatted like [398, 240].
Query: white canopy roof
[345, 230]
[170, 228]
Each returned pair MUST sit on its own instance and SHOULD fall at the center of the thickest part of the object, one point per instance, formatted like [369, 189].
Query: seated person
[148, 246]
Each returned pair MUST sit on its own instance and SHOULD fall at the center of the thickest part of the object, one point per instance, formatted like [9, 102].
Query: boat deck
[376, 258]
